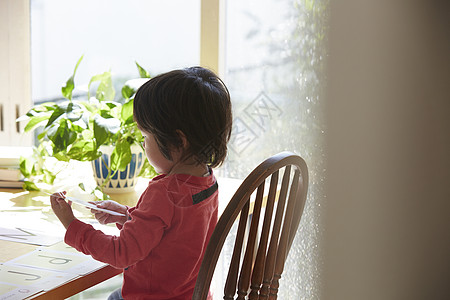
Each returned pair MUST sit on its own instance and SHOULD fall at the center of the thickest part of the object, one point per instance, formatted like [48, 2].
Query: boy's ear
[184, 141]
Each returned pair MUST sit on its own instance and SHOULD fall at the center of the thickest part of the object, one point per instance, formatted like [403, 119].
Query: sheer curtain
[274, 67]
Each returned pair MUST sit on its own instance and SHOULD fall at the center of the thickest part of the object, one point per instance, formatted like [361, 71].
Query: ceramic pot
[122, 181]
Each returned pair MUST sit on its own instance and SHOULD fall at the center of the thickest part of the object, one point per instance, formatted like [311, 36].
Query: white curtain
[274, 67]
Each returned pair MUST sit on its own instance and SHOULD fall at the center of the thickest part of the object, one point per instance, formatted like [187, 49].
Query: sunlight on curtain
[274, 67]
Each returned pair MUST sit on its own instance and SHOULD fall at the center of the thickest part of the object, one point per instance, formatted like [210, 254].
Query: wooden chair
[265, 245]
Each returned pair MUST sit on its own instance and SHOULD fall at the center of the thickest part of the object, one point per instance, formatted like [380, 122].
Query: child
[185, 118]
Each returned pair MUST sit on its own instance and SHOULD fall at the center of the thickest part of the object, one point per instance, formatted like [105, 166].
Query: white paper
[23, 275]
[60, 262]
[28, 236]
[16, 292]
[92, 206]
[61, 247]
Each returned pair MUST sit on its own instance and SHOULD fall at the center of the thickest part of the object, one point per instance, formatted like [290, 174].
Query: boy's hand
[105, 218]
[62, 209]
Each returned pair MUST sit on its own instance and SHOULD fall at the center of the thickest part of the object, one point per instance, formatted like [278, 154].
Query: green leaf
[142, 72]
[127, 111]
[55, 115]
[61, 156]
[73, 112]
[34, 122]
[111, 104]
[83, 151]
[70, 84]
[82, 187]
[82, 123]
[26, 166]
[84, 120]
[87, 134]
[127, 91]
[103, 127]
[105, 90]
[30, 186]
[68, 88]
[49, 177]
[121, 156]
[61, 136]
[100, 132]
[66, 109]
[42, 135]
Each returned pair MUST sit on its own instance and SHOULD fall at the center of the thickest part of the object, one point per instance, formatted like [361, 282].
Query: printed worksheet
[57, 261]
[27, 276]
[16, 292]
[61, 247]
[28, 236]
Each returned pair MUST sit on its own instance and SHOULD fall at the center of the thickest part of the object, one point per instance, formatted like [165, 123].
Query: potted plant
[98, 128]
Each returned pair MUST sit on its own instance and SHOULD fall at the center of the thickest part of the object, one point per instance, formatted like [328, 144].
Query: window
[112, 35]
[274, 67]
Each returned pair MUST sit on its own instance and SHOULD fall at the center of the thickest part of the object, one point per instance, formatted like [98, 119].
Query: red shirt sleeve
[137, 238]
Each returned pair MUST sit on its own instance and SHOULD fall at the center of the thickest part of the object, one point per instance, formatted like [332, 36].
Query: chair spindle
[273, 246]
[231, 281]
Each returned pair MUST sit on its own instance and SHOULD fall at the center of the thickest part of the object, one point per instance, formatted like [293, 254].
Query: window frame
[212, 35]
[15, 59]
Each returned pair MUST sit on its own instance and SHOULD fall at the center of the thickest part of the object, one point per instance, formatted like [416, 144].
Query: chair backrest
[273, 216]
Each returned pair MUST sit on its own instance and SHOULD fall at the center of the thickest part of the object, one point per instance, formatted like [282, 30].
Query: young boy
[185, 118]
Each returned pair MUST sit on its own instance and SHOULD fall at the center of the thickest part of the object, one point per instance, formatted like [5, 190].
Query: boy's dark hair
[194, 101]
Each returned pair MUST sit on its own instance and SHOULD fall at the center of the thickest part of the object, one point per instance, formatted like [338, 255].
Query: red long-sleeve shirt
[161, 247]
